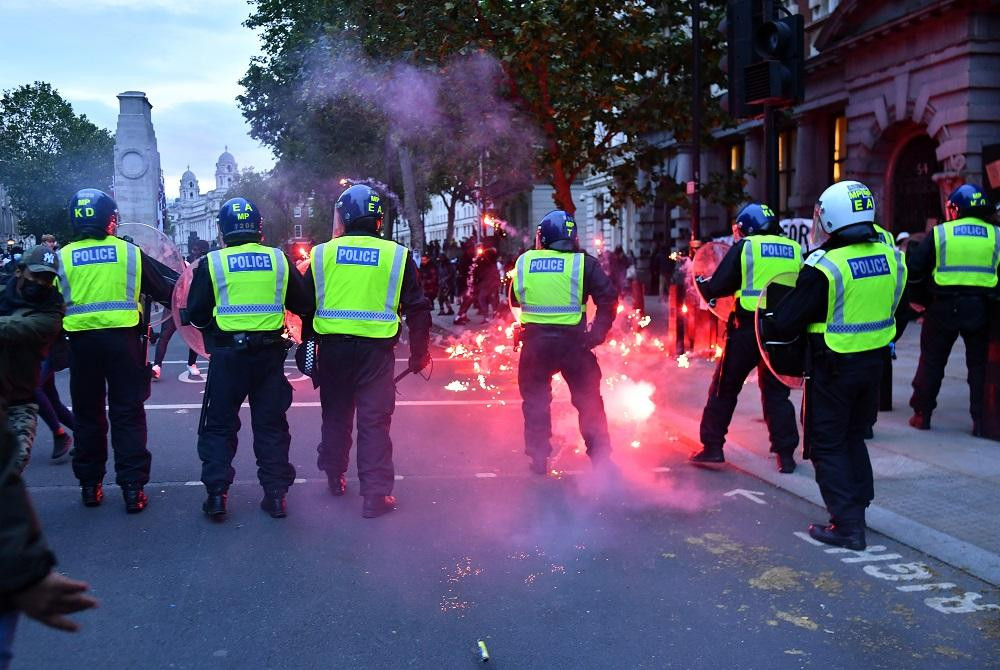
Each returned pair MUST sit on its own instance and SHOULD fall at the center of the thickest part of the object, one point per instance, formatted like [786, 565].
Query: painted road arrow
[749, 495]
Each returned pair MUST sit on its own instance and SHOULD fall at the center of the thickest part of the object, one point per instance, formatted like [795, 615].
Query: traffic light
[779, 78]
[741, 17]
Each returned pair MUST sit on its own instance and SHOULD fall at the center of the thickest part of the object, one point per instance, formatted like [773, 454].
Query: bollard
[991, 396]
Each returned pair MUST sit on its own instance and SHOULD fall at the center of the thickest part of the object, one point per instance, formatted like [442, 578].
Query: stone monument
[137, 162]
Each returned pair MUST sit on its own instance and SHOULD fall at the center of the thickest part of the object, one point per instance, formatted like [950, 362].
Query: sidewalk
[937, 491]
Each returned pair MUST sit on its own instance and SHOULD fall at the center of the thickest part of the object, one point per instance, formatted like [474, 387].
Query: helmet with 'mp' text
[557, 231]
[359, 208]
[92, 212]
[756, 218]
[239, 221]
[968, 200]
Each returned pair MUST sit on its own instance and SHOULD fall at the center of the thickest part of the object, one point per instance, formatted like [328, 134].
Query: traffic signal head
[778, 79]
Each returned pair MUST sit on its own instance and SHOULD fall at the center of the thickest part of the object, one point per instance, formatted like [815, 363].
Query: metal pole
[696, 122]
[479, 201]
[771, 187]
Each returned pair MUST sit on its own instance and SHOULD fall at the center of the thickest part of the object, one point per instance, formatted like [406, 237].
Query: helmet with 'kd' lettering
[967, 200]
[557, 231]
[239, 221]
[93, 213]
[756, 218]
[358, 208]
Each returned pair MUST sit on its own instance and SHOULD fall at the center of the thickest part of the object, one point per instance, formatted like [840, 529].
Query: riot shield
[785, 359]
[704, 264]
[191, 335]
[157, 246]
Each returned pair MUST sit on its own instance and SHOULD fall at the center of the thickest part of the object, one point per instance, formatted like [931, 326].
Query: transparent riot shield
[191, 335]
[160, 248]
[706, 260]
[785, 359]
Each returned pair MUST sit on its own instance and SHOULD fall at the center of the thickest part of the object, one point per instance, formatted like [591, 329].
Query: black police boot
[853, 539]
[786, 463]
[377, 506]
[539, 465]
[708, 457]
[214, 506]
[274, 504]
[921, 421]
[977, 428]
[92, 494]
[135, 499]
[337, 484]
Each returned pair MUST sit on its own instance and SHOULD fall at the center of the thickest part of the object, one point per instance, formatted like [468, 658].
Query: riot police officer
[845, 298]
[238, 296]
[361, 282]
[552, 283]
[761, 255]
[101, 277]
[960, 259]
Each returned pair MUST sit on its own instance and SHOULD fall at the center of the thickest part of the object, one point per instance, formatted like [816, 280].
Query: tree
[47, 153]
[276, 195]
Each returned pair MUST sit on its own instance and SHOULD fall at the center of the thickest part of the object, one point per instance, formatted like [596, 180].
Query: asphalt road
[675, 568]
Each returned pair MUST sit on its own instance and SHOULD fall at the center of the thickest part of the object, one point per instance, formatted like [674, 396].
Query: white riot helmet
[846, 203]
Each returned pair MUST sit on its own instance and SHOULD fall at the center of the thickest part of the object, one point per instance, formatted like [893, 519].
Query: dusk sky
[186, 55]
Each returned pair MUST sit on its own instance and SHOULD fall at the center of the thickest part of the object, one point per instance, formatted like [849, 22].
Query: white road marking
[399, 403]
[398, 477]
[749, 495]
[300, 480]
[662, 468]
[192, 483]
[485, 475]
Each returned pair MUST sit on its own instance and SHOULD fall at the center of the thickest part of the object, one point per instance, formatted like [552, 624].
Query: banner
[799, 230]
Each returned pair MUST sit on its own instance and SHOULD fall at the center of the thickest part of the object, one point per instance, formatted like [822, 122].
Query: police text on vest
[249, 262]
[92, 255]
[547, 265]
[869, 266]
[774, 250]
[970, 230]
[357, 256]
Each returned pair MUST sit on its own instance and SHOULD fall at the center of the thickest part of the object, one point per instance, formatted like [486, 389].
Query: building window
[297, 212]
[735, 158]
[838, 148]
[786, 168]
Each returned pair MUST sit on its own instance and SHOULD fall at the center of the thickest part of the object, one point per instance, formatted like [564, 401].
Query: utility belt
[821, 357]
[739, 318]
[251, 341]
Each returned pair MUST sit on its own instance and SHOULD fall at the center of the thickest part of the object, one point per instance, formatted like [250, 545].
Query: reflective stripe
[64, 287]
[900, 279]
[113, 306]
[838, 325]
[249, 309]
[220, 279]
[858, 328]
[574, 305]
[132, 252]
[750, 293]
[281, 267]
[390, 312]
[748, 289]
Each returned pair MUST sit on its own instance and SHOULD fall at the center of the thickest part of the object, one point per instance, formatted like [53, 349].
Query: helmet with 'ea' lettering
[239, 221]
[358, 208]
[93, 213]
[841, 206]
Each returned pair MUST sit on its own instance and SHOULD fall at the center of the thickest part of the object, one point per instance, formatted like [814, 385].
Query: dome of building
[188, 176]
[226, 158]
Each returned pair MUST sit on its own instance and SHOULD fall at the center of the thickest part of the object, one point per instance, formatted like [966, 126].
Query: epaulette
[814, 257]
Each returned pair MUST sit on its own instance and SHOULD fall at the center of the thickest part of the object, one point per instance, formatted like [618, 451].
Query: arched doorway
[916, 201]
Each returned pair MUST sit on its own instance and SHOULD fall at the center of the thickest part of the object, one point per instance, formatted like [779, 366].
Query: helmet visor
[818, 236]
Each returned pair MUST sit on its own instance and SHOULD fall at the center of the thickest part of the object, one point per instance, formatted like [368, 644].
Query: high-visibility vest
[100, 281]
[885, 236]
[549, 286]
[358, 282]
[765, 257]
[966, 252]
[865, 285]
[249, 282]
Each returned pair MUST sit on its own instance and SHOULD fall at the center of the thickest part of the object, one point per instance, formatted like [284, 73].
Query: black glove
[419, 361]
[591, 340]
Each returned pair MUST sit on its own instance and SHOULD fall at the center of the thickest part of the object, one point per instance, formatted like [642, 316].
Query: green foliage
[47, 152]
[276, 196]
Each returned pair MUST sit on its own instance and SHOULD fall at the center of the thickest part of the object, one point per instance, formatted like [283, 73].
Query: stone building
[904, 96]
[193, 214]
[8, 220]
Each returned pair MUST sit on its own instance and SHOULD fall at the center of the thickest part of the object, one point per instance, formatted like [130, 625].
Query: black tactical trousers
[234, 376]
[944, 321]
[355, 375]
[841, 404]
[109, 366]
[739, 359]
[543, 356]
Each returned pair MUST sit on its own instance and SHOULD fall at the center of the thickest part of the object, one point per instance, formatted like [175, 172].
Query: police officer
[761, 255]
[846, 299]
[361, 282]
[960, 258]
[238, 297]
[552, 284]
[101, 277]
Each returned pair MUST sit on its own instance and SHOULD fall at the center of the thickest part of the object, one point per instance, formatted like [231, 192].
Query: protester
[446, 284]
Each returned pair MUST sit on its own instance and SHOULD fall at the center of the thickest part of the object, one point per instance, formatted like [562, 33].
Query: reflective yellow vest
[765, 257]
[358, 281]
[100, 281]
[549, 286]
[885, 235]
[250, 282]
[865, 285]
[967, 253]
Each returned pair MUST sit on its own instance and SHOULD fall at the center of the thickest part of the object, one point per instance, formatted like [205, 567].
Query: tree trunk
[563, 194]
[450, 231]
[411, 200]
